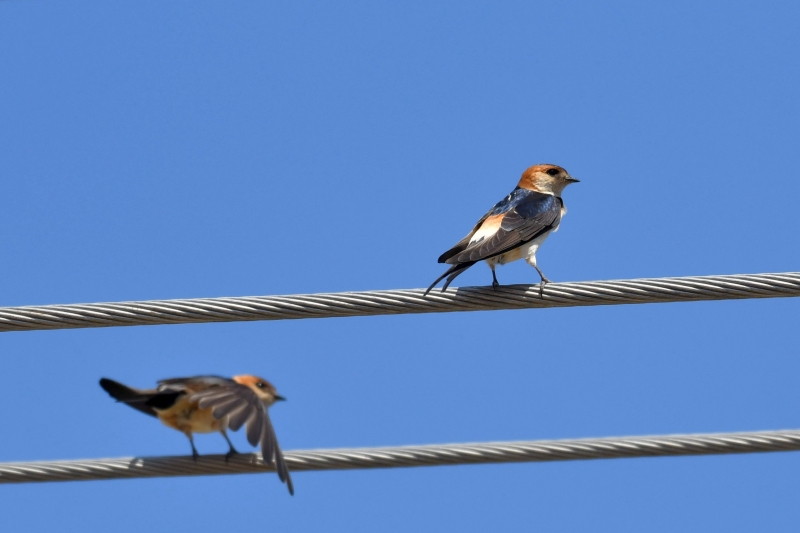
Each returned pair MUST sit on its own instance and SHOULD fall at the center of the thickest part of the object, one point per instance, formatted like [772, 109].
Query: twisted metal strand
[403, 456]
[395, 302]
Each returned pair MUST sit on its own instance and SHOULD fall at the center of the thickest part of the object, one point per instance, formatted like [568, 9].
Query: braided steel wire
[405, 456]
[395, 302]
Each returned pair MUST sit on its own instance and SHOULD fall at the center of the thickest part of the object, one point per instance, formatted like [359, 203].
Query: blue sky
[179, 149]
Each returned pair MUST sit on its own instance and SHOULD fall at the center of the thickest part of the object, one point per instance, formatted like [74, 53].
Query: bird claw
[195, 455]
[230, 454]
[495, 285]
[542, 283]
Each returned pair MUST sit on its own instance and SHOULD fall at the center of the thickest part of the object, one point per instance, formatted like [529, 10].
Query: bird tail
[451, 274]
[139, 400]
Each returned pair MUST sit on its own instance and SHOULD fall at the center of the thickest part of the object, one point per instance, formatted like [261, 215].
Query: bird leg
[543, 282]
[531, 260]
[195, 455]
[495, 283]
[541, 274]
[232, 451]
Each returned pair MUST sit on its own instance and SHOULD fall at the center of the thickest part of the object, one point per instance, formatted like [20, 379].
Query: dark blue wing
[503, 206]
[518, 219]
[195, 382]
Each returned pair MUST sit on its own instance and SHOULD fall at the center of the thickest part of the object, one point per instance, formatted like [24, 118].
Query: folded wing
[518, 219]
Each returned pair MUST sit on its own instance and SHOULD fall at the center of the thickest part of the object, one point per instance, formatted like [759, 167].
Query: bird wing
[242, 406]
[169, 390]
[461, 245]
[194, 382]
[519, 218]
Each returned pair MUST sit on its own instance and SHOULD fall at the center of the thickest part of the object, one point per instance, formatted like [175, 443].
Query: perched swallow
[515, 227]
[205, 404]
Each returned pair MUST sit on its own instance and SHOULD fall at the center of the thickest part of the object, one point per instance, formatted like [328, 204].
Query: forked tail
[139, 400]
[451, 274]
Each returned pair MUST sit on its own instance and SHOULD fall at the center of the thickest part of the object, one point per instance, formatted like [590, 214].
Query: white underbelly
[527, 251]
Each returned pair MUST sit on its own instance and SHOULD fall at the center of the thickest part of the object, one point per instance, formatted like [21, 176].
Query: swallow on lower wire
[206, 404]
[515, 227]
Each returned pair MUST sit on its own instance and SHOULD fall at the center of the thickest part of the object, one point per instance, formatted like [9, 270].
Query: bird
[514, 228]
[205, 404]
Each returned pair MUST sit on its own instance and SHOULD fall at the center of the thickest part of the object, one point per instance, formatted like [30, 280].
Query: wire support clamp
[398, 302]
[407, 456]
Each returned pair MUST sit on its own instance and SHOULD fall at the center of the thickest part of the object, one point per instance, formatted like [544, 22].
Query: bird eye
[553, 172]
[260, 384]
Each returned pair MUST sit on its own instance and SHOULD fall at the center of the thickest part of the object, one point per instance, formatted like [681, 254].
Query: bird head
[263, 388]
[549, 179]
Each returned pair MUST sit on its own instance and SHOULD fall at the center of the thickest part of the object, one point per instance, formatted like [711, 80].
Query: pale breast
[529, 249]
[508, 257]
[526, 250]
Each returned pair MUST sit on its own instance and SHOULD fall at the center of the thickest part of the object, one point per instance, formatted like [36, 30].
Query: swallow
[514, 228]
[206, 404]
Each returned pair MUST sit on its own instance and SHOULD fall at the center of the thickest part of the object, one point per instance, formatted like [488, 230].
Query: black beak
[572, 180]
[279, 398]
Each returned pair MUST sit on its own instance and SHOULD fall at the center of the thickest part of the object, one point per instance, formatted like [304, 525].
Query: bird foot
[542, 283]
[230, 454]
[195, 455]
[495, 285]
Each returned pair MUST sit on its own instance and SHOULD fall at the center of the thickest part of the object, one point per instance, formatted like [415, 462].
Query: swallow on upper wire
[206, 404]
[514, 228]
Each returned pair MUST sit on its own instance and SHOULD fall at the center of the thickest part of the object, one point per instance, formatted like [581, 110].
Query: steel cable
[395, 302]
[406, 456]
